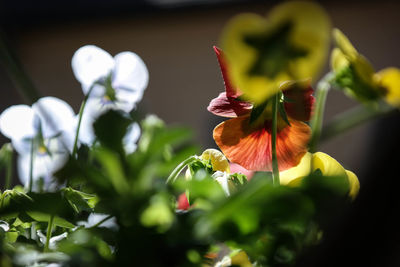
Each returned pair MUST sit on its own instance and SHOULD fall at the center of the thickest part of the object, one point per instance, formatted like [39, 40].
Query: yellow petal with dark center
[389, 78]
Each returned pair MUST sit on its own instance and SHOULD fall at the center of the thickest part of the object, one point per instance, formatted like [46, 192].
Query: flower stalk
[275, 169]
[174, 174]
[323, 88]
[352, 118]
[48, 234]
[81, 110]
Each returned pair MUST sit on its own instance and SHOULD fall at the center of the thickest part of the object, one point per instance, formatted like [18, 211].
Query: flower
[323, 162]
[53, 240]
[45, 130]
[110, 83]
[246, 138]
[291, 44]
[355, 74]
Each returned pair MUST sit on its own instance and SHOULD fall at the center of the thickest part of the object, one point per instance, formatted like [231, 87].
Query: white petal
[130, 72]
[126, 100]
[55, 115]
[222, 178]
[91, 63]
[44, 165]
[17, 122]
[22, 146]
[131, 137]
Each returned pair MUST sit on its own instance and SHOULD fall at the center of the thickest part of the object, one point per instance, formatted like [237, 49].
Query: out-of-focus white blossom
[44, 131]
[112, 83]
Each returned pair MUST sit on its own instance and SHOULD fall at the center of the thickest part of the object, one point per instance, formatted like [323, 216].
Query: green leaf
[257, 111]
[43, 217]
[110, 128]
[78, 200]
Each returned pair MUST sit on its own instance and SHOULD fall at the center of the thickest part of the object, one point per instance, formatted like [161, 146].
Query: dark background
[175, 39]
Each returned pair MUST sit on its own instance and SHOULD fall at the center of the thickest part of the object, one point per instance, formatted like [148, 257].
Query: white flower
[226, 261]
[53, 240]
[4, 225]
[44, 130]
[112, 83]
[223, 179]
[95, 218]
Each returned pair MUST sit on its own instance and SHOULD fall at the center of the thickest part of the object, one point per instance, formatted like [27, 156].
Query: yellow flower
[291, 44]
[355, 74]
[328, 166]
[218, 161]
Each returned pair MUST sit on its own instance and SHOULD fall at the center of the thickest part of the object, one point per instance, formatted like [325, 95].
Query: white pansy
[44, 131]
[115, 83]
[226, 261]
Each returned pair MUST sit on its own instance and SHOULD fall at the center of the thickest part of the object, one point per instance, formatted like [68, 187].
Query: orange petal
[250, 146]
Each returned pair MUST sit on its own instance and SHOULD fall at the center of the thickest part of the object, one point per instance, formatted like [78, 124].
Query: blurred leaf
[43, 217]
[110, 128]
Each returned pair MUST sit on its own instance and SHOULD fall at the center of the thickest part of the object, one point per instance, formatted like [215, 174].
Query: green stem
[323, 87]
[48, 234]
[9, 168]
[275, 169]
[174, 174]
[352, 118]
[101, 222]
[82, 108]
[31, 166]
[16, 72]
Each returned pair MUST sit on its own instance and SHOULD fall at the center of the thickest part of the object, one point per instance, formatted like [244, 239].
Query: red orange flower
[245, 139]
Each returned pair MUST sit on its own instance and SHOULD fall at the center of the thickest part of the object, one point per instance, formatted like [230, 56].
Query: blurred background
[175, 39]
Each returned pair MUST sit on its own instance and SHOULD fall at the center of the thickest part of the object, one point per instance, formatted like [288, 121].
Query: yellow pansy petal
[354, 184]
[311, 31]
[240, 57]
[250, 42]
[328, 165]
[338, 60]
[361, 65]
[218, 160]
[389, 78]
[344, 44]
[293, 176]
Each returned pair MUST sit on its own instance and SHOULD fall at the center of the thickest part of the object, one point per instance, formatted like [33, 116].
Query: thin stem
[323, 87]
[352, 118]
[174, 174]
[16, 72]
[81, 110]
[9, 168]
[275, 169]
[31, 166]
[48, 234]
[101, 222]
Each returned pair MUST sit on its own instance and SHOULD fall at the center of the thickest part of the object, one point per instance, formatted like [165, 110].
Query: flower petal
[250, 146]
[328, 165]
[130, 72]
[229, 89]
[293, 176]
[55, 116]
[90, 63]
[292, 43]
[354, 184]
[389, 78]
[183, 203]
[300, 101]
[131, 137]
[218, 160]
[127, 99]
[236, 168]
[17, 122]
[228, 107]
